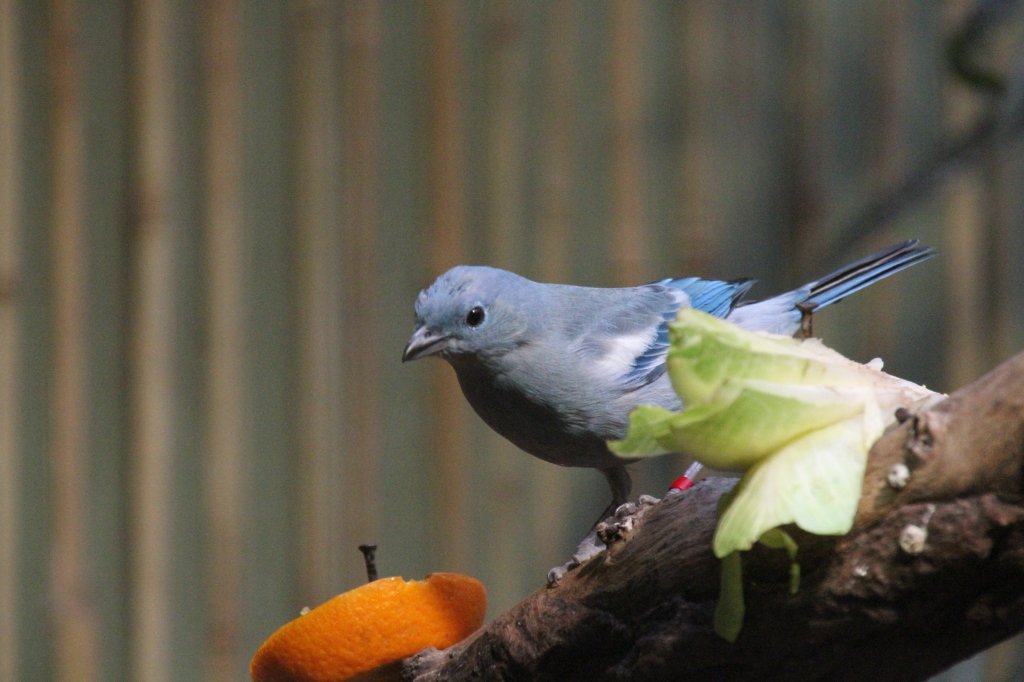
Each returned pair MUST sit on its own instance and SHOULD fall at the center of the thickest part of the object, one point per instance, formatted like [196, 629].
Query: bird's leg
[806, 312]
[620, 483]
[590, 546]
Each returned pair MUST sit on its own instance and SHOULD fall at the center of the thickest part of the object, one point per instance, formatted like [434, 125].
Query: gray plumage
[556, 369]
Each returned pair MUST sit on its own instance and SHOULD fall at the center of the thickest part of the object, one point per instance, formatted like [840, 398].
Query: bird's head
[470, 311]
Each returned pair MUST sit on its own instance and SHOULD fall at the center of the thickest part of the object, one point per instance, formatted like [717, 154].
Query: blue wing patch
[712, 296]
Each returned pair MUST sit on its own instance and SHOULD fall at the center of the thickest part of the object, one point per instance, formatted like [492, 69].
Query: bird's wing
[710, 295]
[636, 342]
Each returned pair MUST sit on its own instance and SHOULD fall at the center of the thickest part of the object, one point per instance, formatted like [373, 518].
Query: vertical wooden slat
[270, 464]
[10, 336]
[407, 500]
[36, 643]
[152, 379]
[556, 166]
[321, 443]
[699, 45]
[592, 184]
[504, 81]
[501, 467]
[226, 311]
[360, 182]
[1006, 253]
[965, 232]
[889, 160]
[554, 229]
[76, 620]
[892, 56]
[190, 589]
[629, 238]
[448, 231]
[1006, 249]
[103, 36]
[806, 140]
[1002, 257]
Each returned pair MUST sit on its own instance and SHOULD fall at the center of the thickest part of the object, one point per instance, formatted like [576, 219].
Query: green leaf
[776, 538]
[797, 417]
[813, 482]
[748, 394]
[747, 421]
[707, 351]
[729, 609]
[755, 419]
[648, 426]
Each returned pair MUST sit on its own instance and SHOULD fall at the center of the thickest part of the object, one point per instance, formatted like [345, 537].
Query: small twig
[369, 556]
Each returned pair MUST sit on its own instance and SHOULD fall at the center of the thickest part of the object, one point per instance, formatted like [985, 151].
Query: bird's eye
[475, 317]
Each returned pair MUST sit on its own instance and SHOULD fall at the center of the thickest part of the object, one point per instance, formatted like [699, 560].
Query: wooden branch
[867, 608]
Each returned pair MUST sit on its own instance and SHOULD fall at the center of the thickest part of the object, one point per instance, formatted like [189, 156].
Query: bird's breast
[550, 426]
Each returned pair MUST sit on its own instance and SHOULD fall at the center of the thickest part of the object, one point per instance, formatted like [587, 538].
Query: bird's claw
[618, 526]
[612, 529]
[556, 574]
[588, 548]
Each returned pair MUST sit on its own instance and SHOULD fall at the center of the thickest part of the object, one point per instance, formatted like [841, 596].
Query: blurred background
[215, 217]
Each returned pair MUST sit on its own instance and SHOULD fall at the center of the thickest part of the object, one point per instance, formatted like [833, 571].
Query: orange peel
[370, 626]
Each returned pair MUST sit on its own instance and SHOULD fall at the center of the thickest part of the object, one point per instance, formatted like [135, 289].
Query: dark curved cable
[1002, 120]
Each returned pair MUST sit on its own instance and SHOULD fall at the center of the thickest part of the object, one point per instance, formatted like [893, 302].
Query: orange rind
[370, 626]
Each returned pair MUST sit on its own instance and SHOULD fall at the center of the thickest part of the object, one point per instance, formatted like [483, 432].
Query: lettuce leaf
[797, 418]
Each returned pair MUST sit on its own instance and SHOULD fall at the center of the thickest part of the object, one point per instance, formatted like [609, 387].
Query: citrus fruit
[374, 624]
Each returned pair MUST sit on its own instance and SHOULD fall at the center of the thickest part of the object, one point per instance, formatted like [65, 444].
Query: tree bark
[871, 605]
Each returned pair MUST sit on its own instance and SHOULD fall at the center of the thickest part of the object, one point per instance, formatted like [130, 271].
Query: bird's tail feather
[853, 277]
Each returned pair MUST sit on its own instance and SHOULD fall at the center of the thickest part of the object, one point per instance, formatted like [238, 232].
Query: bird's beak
[422, 343]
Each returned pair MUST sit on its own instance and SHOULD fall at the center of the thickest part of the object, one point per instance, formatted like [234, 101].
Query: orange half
[369, 626]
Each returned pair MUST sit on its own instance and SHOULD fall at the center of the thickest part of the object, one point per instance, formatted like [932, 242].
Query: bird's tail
[850, 278]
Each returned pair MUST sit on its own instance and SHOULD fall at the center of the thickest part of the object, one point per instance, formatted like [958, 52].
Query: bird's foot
[619, 526]
[588, 548]
[613, 529]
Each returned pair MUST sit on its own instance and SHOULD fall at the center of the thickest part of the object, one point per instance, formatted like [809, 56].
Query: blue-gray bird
[556, 369]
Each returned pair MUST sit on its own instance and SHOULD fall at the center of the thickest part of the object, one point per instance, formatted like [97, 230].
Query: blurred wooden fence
[215, 216]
